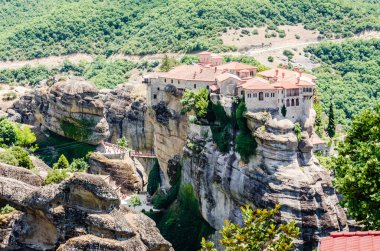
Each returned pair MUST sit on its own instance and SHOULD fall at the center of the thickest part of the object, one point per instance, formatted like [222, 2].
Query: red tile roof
[236, 66]
[205, 53]
[257, 84]
[351, 241]
[192, 72]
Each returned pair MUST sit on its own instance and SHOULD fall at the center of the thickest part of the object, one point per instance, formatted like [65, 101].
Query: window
[249, 95]
[292, 102]
[242, 93]
[207, 87]
[297, 102]
[155, 96]
[267, 95]
[272, 95]
[178, 81]
[172, 81]
[287, 103]
[158, 88]
[261, 96]
[195, 86]
[255, 95]
[165, 80]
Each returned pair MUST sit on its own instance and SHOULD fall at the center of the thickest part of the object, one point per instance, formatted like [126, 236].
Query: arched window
[261, 96]
[287, 102]
[292, 102]
[297, 102]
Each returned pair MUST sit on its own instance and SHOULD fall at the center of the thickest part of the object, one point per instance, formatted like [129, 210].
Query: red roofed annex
[351, 241]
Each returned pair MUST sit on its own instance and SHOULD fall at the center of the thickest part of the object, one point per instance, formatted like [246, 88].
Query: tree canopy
[34, 29]
[357, 169]
[349, 76]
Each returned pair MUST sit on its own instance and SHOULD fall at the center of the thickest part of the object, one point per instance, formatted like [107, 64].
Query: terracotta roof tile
[351, 241]
[257, 84]
[192, 72]
[235, 66]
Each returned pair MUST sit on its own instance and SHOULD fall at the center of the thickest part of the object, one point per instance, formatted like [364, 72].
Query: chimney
[195, 74]
[275, 78]
[295, 68]
[276, 72]
[283, 75]
[300, 72]
[283, 67]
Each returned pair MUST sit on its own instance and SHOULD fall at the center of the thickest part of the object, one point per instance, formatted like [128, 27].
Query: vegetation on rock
[245, 143]
[78, 165]
[195, 100]
[154, 178]
[260, 231]
[331, 124]
[357, 169]
[16, 156]
[7, 209]
[62, 163]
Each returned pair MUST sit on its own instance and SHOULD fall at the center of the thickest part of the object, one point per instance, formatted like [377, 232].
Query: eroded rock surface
[282, 172]
[81, 213]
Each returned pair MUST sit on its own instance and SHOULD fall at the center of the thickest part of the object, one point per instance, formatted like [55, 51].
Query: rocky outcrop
[125, 174]
[81, 213]
[20, 173]
[282, 172]
[170, 130]
[127, 116]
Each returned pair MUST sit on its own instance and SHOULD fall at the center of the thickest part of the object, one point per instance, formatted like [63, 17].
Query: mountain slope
[32, 29]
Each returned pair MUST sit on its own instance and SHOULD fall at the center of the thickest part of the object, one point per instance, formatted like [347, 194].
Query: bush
[55, 176]
[255, 32]
[78, 165]
[135, 201]
[288, 54]
[8, 132]
[16, 156]
[245, 32]
[245, 143]
[190, 59]
[196, 101]
[9, 96]
[298, 131]
[270, 59]
[62, 163]
[7, 209]
[297, 36]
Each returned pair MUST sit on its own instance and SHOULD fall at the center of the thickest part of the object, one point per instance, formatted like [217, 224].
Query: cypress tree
[283, 110]
[331, 125]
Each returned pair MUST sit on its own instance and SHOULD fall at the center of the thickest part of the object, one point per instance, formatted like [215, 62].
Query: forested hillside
[349, 76]
[32, 29]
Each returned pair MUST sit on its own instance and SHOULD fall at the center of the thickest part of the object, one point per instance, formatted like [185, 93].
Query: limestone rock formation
[126, 175]
[283, 172]
[127, 116]
[81, 213]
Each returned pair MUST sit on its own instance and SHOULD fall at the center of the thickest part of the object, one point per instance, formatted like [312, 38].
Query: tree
[260, 231]
[122, 142]
[62, 163]
[270, 59]
[168, 63]
[283, 110]
[288, 54]
[357, 169]
[25, 136]
[331, 124]
[197, 101]
[154, 179]
[135, 201]
[78, 165]
[8, 132]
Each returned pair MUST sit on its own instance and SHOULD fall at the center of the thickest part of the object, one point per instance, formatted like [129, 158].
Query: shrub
[245, 143]
[245, 32]
[195, 100]
[255, 32]
[55, 176]
[62, 163]
[78, 165]
[7, 209]
[122, 142]
[8, 132]
[16, 156]
[9, 96]
[298, 131]
[297, 36]
[25, 136]
[270, 59]
[135, 201]
[283, 110]
[288, 54]
[189, 59]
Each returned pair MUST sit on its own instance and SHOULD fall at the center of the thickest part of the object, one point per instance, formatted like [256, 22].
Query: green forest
[348, 76]
[34, 29]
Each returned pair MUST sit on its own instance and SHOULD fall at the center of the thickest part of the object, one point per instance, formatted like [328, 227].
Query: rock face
[282, 172]
[81, 213]
[127, 115]
[125, 174]
[170, 130]
[75, 109]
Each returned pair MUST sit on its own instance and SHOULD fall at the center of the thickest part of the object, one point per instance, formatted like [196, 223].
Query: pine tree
[331, 125]
[62, 163]
[283, 110]
[165, 65]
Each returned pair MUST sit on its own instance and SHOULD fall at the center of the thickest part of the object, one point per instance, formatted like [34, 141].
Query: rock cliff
[74, 108]
[282, 172]
[81, 213]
